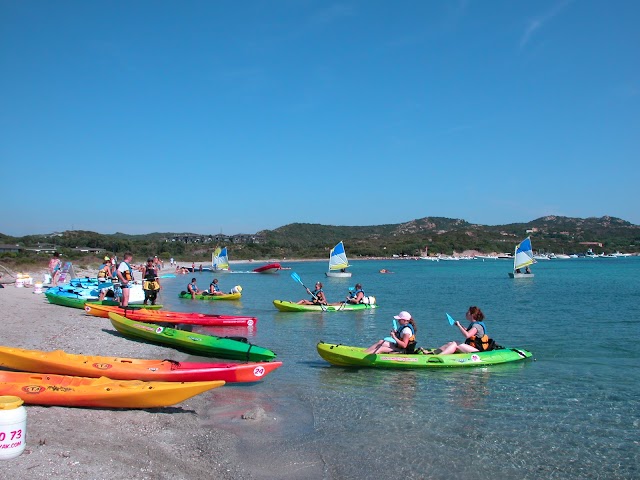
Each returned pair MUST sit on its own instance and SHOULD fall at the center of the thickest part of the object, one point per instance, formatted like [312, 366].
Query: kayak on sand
[345, 356]
[63, 363]
[235, 348]
[285, 306]
[193, 318]
[103, 392]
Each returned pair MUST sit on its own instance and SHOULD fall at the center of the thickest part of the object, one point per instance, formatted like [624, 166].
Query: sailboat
[338, 262]
[522, 259]
[220, 259]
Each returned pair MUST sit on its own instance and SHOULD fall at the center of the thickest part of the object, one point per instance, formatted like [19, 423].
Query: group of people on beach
[120, 278]
[403, 338]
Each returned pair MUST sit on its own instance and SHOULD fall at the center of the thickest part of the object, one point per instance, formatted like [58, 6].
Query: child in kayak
[402, 340]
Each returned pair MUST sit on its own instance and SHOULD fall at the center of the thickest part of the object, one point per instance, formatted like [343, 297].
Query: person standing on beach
[54, 267]
[105, 275]
[151, 282]
[125, 275]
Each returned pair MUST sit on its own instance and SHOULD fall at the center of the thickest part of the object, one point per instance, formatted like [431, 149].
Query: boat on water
[522, 258]
[235, 294]
[269, 268]
[285, 306]
[338, 262]
[346, 356]
[220, 260]
[62, 363]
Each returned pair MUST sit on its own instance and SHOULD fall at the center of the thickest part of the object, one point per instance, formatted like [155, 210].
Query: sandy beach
[82, 443]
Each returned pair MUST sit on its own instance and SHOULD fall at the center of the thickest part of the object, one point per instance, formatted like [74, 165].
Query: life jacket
[315, 297]
[214, 288]
[482, 343]
[411, 346]
[193, 286]
[128, 273]
[103, 273]
[150, 277]
[355, 293]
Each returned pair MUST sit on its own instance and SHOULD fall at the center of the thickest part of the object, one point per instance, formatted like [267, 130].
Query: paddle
[451, 320]
[395, 327]
[297, 278]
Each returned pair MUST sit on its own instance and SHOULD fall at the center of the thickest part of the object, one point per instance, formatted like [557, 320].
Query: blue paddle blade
[395, 324]
[451, 320]
[296, 277]
[389, 339]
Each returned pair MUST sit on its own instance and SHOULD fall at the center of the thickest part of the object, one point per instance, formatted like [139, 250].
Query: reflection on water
[571, 412]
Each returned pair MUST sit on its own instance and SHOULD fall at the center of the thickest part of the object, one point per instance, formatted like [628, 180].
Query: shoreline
[67, 442]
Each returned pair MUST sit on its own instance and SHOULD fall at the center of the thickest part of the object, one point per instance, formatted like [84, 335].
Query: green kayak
[347, 307]
[206, 296]
[77, 301]
[235, 348]
[345, 356]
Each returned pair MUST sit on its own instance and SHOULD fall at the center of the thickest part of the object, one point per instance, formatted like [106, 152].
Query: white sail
[338, 258]
[523, 255]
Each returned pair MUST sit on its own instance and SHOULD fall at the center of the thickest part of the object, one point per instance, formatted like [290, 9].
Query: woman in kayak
[214, 289]
[356, 295]
[317, 296]
[476, 338]
[402, 340]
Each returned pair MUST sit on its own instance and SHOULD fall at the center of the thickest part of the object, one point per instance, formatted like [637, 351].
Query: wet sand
[82, 443]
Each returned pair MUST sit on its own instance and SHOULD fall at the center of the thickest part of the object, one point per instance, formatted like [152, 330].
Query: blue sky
[222, 116]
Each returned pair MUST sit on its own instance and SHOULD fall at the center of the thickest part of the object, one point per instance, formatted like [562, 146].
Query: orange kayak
[60, 362]
[162, 316]
[103, 392]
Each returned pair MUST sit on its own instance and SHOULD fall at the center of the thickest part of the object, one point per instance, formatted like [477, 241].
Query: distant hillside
[305, 240]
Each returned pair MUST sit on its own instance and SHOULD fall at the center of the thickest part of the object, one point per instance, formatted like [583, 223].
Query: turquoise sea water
[571, 412]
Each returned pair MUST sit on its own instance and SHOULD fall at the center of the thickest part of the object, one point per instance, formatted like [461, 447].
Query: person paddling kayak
[402, 340]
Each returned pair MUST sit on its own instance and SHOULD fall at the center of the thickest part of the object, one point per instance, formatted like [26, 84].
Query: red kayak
[269, 268]
[158, 316]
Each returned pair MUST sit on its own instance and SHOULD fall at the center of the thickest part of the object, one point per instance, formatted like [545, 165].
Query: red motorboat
[161, 316]
[269, 268]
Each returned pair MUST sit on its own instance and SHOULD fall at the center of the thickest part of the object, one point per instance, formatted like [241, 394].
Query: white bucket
[28, 281]
[13, 427]
[37, 287]
[19, 282]
[46, 278]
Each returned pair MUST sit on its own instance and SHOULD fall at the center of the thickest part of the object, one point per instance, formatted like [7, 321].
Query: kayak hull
[345, 356]
[62, 363]
[226, 296]
[204, 345]
[284, 306]
[75, 297]
[103, 392]
[142, 315]
[269, 268]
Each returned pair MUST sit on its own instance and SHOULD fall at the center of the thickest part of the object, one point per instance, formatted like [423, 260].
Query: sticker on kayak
[249, 323]
[475, 358]
[33, 389]
[102, 366]
[87, 308]
[159, 329]
[258, 371]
